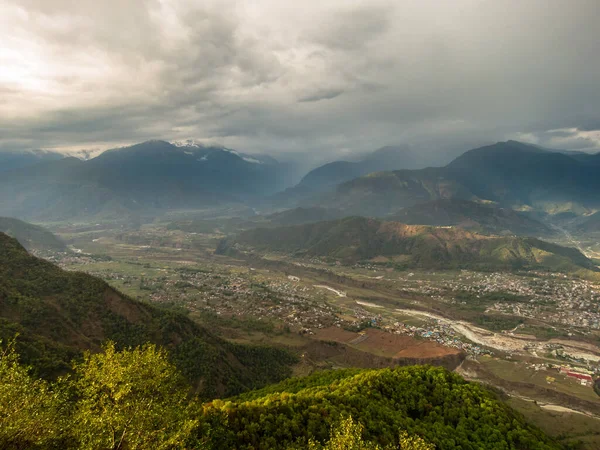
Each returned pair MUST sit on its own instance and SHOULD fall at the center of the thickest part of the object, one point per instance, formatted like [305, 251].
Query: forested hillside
[59, 314]
[329, 175]
[433, 403]
[137, 399]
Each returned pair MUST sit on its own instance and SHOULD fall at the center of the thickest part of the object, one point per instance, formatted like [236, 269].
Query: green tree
[130, 399]
[29, 409]
[413, 443]
[347, 435]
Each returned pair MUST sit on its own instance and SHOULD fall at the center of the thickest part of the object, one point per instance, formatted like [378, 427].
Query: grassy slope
[356, 239]
[565, 427]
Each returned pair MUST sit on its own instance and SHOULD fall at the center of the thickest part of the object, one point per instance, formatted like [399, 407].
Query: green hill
[356, 239]
[429, 402]
[515, 173]
[135, 398]
[473, 216]
[32, 237]
[59, 314]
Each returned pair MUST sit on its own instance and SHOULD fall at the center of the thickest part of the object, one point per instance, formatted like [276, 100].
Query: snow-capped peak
[250, 159]
[193, 143]
[84, 155]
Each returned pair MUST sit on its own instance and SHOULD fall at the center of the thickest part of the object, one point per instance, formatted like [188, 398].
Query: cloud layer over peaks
[324, 78]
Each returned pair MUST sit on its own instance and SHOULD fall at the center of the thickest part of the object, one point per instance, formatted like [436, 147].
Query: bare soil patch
[390, 345]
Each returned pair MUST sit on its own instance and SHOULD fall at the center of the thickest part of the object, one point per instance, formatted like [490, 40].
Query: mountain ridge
[327, 176]
[510, 174]
[11, 160]
[359, 239]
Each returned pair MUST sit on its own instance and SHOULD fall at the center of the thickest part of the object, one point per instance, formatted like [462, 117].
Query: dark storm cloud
[590, 124]
[326, 78]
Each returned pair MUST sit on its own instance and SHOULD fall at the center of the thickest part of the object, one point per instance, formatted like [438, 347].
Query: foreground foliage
[439, 406]
[29, 409]
[348, 435]
[113, 400]
[136, 399]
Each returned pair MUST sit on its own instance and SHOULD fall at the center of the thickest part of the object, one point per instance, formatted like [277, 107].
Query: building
[584, 379]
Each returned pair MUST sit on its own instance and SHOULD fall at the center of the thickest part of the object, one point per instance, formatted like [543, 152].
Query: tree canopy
[135, 398]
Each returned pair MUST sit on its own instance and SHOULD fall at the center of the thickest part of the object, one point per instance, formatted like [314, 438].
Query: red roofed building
[581, 377]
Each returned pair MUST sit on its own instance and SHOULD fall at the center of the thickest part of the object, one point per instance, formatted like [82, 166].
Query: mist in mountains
[151, 178]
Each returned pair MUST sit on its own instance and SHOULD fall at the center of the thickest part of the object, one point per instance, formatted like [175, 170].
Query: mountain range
[510, 174]
[148, 179]
[152, 176]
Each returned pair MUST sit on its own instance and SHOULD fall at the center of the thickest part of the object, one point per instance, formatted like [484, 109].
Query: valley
[520, 331]
[427, 267]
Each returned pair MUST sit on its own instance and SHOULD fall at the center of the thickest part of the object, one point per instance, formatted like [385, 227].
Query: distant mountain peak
[524, 146]
[385, 158]
[17, 159]
[505, 154]
[85, 154]
[389, 151]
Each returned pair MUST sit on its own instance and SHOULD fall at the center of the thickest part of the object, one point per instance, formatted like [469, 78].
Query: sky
[317, 79]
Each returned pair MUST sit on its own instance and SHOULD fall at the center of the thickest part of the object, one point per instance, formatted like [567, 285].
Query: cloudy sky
[323, 77]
